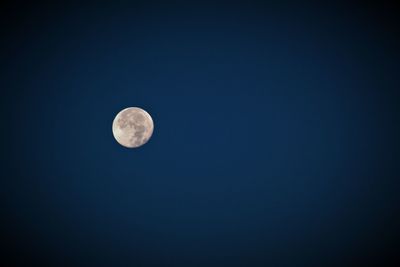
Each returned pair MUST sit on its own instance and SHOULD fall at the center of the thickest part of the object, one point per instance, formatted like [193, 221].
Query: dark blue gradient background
[276, 136]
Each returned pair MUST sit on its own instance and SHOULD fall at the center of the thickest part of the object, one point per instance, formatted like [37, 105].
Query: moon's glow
[132, 127]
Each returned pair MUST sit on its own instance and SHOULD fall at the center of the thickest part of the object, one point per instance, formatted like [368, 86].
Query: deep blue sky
[275, 142]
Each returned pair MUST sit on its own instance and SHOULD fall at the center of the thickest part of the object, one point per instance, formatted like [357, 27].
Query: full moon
[132, 127]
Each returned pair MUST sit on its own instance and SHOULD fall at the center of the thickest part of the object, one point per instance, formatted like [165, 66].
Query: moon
[132, 127]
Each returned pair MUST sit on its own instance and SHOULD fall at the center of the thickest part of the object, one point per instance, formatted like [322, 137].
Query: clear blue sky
[275, 141]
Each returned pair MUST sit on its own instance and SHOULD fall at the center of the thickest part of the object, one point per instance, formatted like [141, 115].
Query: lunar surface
[132, 127]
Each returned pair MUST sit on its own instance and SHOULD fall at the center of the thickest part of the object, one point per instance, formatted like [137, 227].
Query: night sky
[276, 139]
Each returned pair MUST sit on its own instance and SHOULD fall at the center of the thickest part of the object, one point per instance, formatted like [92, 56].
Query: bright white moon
[132, 127]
